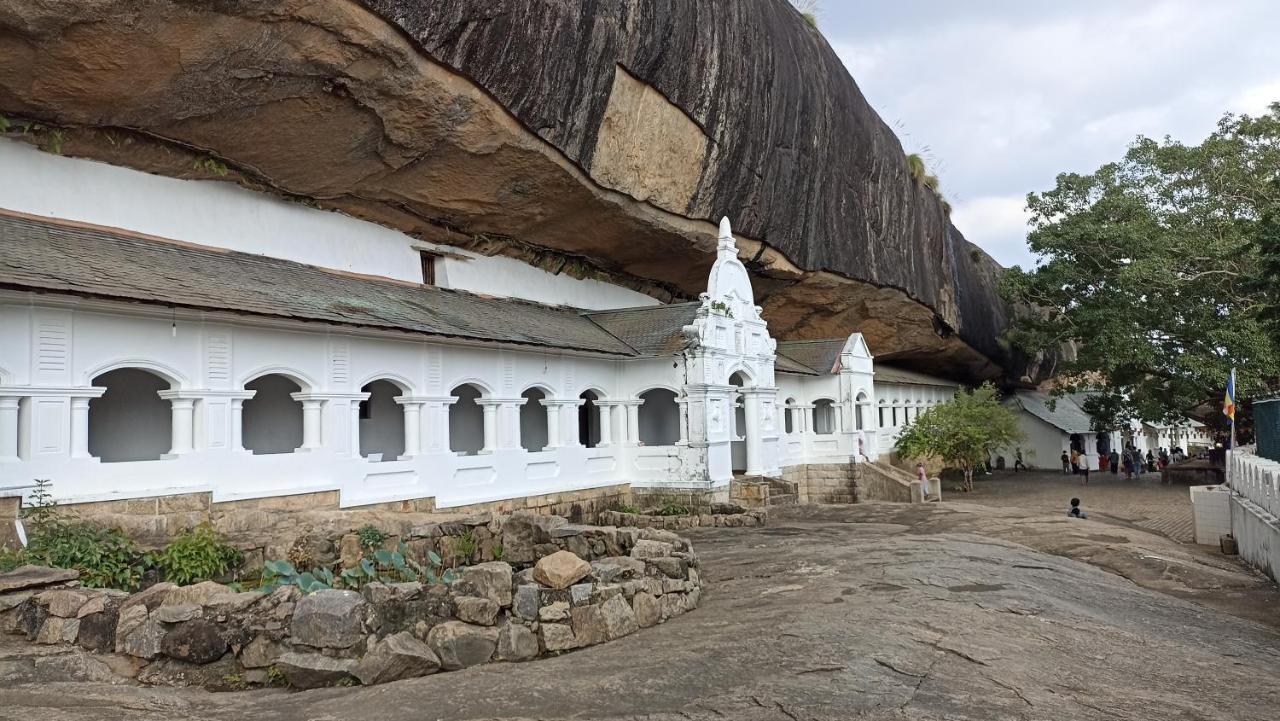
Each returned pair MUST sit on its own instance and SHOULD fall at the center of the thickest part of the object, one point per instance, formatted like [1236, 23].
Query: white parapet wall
[1255, 510]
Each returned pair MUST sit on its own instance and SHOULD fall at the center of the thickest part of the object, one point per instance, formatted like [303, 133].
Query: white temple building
[161, 337]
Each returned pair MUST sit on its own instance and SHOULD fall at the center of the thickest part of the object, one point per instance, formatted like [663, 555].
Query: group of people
[1131, 461]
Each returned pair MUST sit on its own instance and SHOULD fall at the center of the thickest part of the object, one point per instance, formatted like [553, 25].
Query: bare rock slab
[560, 570]
[35, 577]
[395, 658]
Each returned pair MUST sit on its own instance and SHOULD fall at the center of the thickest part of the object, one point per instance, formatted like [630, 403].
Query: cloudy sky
[1000, 96]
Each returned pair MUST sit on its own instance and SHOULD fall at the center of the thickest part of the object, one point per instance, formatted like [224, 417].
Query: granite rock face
[601, 138]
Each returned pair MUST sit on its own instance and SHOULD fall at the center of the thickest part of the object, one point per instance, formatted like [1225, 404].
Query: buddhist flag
[1229, 399]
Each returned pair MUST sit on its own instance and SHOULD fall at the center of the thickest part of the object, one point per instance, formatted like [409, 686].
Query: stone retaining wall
[561, 586]
[824, 482]
[745, 518]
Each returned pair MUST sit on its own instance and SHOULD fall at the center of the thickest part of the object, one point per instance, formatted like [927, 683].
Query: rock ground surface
[873, 611]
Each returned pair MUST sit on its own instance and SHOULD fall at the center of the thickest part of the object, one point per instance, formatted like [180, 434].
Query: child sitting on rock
[1075, 511]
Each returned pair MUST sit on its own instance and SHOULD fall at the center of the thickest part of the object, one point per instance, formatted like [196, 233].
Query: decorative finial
[726, 241]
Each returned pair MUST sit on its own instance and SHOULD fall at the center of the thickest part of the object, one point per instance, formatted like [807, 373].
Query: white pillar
[606, 428]
[80, 427]
[237, 423]
[753, 432]
[554, 411]
[312, 412]
[412, 425]
[684, 422]
[490, 426]
[9, 429]
[353, 428]
[182, 424]
[633, 422]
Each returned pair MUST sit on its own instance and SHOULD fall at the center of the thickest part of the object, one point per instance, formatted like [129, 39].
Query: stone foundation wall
[882, 484]
[740, 519]
[249, 523]
[825, 482]
[563, 586]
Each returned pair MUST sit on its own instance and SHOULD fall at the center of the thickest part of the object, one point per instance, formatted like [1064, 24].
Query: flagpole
[1231, 449]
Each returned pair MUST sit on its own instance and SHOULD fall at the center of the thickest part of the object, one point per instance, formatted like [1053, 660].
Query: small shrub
[466, 545]
[275, 677]
[371, 538]
[628, 509]
[197, 555]
[105, 557]
[673, 509]
[382, 565]
[498, 552]
[10, 559]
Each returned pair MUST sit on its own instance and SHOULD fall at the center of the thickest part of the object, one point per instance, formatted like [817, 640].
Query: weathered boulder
[176, 614]
[312, 670]
[394, 658]
[480, 611]
[557, 637]
[647, 609]
[670, 567]
[552, 612]
[522, 533]
[57, 629]
[149, 598]
[490, 580]
[198, 594]
[645, 549]
[97, 604]
[460, 645]
[516, 643]
[29, 576]
[196, 641]
[143, 640]
[98, 631]
[329, 619]
[222, 674]
[598, 623]
[65, 603]
[616, 568]
[560, 570]
[260, 652]
[525, 604]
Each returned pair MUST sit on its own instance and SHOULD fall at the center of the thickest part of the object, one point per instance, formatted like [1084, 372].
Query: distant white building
[167, 337]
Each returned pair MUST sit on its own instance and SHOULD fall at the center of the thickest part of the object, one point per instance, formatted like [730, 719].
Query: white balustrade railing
[1257, 479]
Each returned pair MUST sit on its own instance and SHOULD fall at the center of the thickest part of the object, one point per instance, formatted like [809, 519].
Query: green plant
[4, 124]
[382, 565]
[465, 546]
[235, 682]
[11, 559]
[275, 677]
[197, 555]
[346, 681]
[42, 511]
[210, 165]
[370, 537]
[498, 552]
[673, 509]
[105, 557]
[628, 509]
[963, 432]
[719, 306]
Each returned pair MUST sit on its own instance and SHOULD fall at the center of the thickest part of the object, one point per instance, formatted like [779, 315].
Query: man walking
[1066, 463]
[1017, 461]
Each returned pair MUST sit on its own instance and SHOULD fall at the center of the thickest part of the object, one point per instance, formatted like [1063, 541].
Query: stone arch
[130, 421]
[466, 419]
[824, 416]
[861, 406]
[300, 379]
[271, 421]
[382, 419]
[404, 385]
[171, 375]
[659, 417]
[534, 433]
[589, 417]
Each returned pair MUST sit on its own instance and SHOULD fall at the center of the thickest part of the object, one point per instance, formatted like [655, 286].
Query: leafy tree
[1151, 272]
[963, 433]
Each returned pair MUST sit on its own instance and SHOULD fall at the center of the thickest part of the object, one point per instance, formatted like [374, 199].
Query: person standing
[923, 477]
[1017, 461]
[1066, 463]
[1075, 461]
[1115, 462]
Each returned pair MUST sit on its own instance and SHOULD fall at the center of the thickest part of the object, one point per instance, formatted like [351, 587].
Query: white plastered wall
[224, 215]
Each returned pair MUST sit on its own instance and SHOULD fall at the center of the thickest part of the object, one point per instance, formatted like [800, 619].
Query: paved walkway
[1142, 503]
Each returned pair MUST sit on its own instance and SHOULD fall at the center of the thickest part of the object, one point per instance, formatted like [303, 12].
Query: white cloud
[1000, 223]
[1001, 98]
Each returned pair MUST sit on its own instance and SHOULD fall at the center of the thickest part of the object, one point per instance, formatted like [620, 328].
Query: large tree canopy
[1153, 272]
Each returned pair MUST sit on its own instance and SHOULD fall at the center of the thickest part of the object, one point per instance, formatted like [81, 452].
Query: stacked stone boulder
[719, 516]
[560, 587]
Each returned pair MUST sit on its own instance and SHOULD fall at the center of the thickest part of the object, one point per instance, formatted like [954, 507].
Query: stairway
[762, 492]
